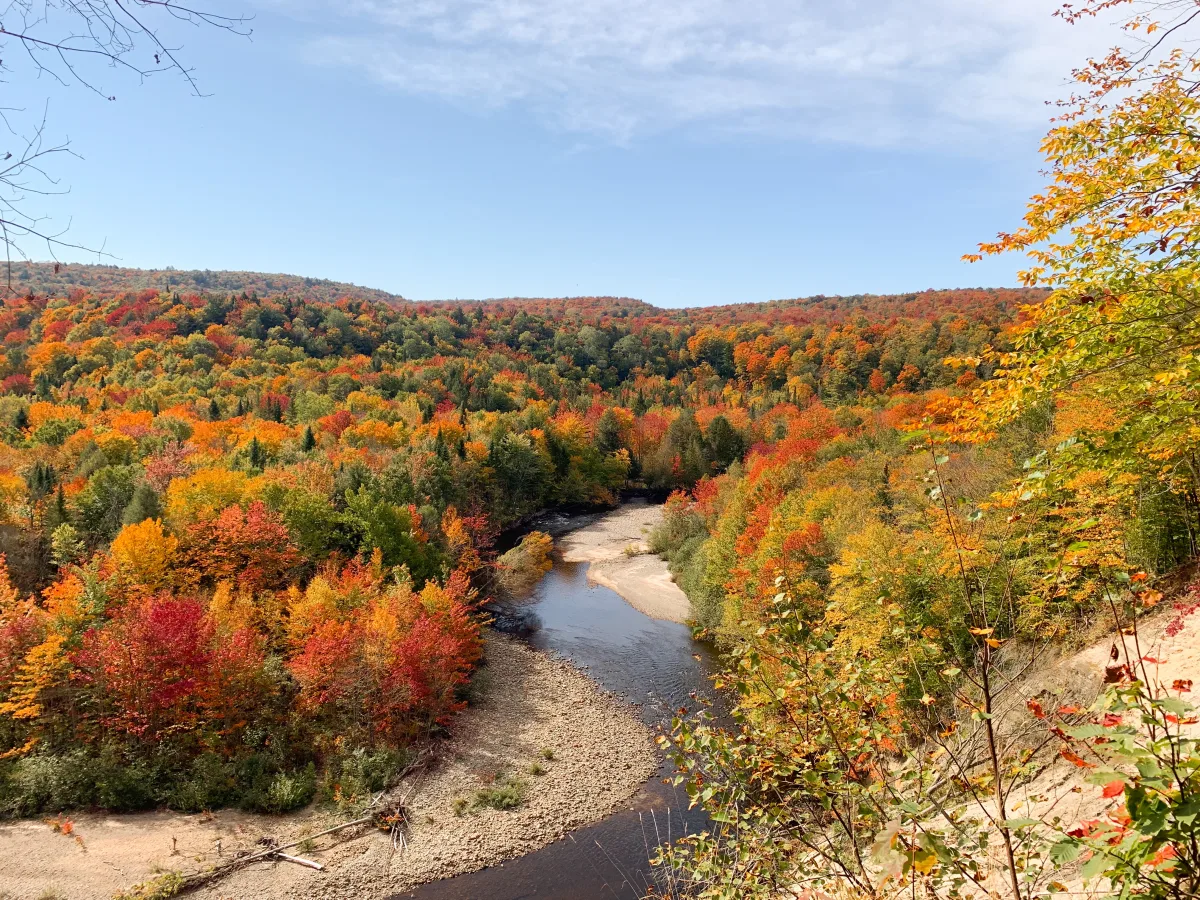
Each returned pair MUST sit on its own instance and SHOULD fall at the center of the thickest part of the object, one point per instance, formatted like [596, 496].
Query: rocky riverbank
[573, 753]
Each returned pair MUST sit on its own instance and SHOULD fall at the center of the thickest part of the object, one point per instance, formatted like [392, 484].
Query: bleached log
[300, 861]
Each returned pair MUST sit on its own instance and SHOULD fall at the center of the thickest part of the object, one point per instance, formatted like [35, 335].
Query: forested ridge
[246, 538]
[59, 279]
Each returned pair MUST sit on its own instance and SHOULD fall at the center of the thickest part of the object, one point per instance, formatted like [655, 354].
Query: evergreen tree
[608, 433]
[309, 441]
[725, 444]
[257, 455]
[58, 513]
[143, 506]
[40, 480]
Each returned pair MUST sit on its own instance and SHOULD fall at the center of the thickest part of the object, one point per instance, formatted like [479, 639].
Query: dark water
[651, 663]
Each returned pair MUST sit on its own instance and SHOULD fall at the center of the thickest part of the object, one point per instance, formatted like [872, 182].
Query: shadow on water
[653, 664]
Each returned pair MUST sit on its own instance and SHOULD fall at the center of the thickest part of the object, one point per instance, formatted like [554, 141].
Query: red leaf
[1113, 788]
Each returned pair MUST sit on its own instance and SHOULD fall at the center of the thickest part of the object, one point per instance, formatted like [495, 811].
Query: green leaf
[1065, 851]
[1095, 866]
[1014, 824]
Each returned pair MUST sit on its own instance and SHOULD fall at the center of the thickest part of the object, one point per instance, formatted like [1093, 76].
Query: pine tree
[608, 433]
[40, 480]
[214, 410]
[309, 441]
[58, 513]
[258, 456]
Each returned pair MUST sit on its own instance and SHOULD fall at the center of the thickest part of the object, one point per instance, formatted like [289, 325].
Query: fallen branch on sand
[389, 821]
[301, 861]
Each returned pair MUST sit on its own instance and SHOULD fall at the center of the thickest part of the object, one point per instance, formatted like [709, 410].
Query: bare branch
[65, 40]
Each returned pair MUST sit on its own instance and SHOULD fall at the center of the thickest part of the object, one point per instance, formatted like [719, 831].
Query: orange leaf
[1113, 788]
[1076, 759]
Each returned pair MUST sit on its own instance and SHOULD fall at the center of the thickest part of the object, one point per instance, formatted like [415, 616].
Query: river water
[648, 662]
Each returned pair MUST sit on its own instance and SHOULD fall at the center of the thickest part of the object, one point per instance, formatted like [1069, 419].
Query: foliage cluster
[245, 538]
[884, 578]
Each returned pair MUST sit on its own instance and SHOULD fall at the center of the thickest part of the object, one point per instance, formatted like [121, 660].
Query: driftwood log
[197, 879]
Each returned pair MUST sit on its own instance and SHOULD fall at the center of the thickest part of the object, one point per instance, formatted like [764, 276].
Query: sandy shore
[602, 755]
[615, 545]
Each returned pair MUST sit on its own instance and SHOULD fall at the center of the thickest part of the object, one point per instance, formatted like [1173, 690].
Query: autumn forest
[250, 527]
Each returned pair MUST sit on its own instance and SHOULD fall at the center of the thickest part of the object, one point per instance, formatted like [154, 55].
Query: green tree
[103, 500]
[725, 444]
[608, 433]
[144, 505]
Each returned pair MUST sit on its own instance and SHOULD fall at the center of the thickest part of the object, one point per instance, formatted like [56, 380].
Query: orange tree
[1115, 237]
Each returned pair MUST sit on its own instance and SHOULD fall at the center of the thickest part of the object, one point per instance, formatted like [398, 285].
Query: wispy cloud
[873, 72]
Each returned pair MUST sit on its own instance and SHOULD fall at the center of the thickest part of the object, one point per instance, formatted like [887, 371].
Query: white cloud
[875, 72]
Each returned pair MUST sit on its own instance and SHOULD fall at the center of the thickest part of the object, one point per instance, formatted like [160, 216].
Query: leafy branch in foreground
[823, 782]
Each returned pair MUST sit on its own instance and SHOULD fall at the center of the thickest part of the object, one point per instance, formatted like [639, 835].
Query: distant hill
[992, 305]
[983, 304]
[41, 278]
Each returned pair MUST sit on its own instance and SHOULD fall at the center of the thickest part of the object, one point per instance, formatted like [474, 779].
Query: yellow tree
[143, 556]
[1116, 236]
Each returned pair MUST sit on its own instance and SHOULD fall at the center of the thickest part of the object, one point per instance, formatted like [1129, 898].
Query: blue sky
[682, 151]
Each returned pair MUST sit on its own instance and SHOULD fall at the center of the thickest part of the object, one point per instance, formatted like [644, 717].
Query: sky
[685, 152]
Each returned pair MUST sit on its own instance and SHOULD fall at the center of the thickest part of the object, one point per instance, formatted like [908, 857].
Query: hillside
[246, 538]
[59, 280]
[990, 305]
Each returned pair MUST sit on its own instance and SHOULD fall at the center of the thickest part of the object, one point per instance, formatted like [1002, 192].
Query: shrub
[47, 782]
[161, 887]
[288, 792]
[506, 793]
[365, 772]
[211, 783]
[524, 565]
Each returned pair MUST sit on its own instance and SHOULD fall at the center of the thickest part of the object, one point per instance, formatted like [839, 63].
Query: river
[652, 663]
